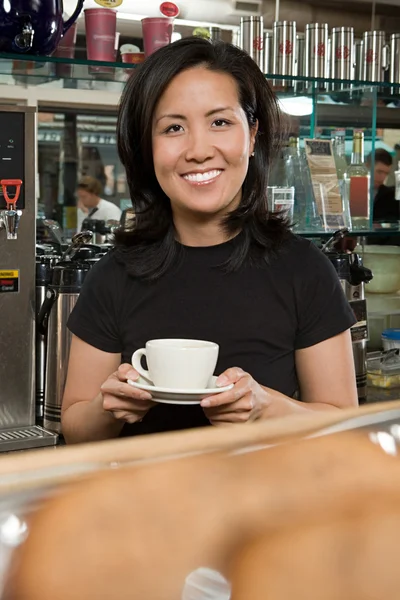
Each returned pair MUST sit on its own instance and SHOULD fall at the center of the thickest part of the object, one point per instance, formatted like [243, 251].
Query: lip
[201, 171]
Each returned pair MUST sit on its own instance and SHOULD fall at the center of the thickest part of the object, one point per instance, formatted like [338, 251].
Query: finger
[242, 387]
[244, 404]
[231, 375]
[112, 404]
[115, 387]
[126, 371]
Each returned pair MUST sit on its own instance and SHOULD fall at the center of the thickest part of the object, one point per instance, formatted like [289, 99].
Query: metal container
[342, 56]
[358, 59]
[215, 34]
[268, 51]
[284, 54]
[353, 276]
[316, 50]
[300, 86]
[395, 61]
[252, 38]
[375, 56]
[61, 297]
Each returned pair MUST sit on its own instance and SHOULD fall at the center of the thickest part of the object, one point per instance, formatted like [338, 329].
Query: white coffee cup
[177, 363]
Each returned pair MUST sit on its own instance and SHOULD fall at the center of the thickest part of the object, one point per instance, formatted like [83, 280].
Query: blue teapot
[33, 26]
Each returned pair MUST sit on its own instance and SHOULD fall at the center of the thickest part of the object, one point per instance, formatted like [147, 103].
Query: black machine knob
[349, 267]
[358, 273]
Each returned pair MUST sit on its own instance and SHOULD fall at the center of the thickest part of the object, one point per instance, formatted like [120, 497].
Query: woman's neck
[204, 233]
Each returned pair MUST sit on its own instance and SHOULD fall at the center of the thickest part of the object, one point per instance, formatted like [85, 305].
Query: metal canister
[215, 34]
[61, 296]
[316, 51]
[395, 61]
[375, 56]
[284, 54]
[300, 86]
[252, 38]
[342, 56]
[358, 59]
[268, 51]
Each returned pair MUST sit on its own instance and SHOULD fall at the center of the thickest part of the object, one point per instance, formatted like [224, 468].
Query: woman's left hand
[244, 403]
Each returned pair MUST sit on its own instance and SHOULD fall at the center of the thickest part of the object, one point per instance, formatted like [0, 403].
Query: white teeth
[202, 176]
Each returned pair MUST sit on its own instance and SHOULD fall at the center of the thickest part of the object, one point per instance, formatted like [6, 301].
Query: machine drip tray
[24, 438]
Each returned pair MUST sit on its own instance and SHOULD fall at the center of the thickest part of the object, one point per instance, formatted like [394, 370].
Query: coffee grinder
[17, 281]
[353, 277]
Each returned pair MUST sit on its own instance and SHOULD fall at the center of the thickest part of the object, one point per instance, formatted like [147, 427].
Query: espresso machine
[17, 281]
[353, 277]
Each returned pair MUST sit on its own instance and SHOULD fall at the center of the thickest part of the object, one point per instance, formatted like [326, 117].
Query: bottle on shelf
[306, 217]
[338, 140]
[357, 185]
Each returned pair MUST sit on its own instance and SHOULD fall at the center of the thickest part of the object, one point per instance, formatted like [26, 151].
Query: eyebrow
[208, 114]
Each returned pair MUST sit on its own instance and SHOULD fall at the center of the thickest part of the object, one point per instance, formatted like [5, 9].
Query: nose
[199, 148]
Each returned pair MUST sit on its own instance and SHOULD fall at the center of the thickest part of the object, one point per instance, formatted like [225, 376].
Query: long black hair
[149, 248]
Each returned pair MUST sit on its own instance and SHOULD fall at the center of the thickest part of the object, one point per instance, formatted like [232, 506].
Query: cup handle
[136, 363]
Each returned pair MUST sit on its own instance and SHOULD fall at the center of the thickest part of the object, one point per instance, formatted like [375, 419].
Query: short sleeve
[323, 310]
[94, 318]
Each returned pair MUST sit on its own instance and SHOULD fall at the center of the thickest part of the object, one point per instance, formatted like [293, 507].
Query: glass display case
[75, 141]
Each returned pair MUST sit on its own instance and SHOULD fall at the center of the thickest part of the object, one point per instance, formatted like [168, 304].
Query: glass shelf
[37, 70]
[329, 85]
[378, 232]
[60, 72]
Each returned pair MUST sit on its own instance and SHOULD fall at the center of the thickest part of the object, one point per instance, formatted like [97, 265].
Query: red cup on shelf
[157, 32]
[101, 30]
[66, 50]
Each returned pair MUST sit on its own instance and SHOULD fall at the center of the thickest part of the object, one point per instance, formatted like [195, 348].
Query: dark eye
[220, 123]
[174, 129]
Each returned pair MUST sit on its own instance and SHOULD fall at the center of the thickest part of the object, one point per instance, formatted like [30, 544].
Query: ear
[253, 135]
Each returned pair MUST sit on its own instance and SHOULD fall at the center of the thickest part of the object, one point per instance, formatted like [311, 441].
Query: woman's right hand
[125, 402]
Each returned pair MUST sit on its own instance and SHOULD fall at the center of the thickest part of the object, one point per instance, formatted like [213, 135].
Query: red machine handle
[13, 182]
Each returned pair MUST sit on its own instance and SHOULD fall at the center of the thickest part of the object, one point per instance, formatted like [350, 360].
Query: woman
[196, 133]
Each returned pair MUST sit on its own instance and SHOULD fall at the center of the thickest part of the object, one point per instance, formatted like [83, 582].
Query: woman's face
[201, 143]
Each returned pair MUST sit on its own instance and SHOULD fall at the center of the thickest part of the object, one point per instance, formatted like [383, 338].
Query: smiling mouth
[202, 178]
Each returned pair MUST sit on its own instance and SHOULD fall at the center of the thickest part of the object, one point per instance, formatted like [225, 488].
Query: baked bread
[351, 556]
[136, 533]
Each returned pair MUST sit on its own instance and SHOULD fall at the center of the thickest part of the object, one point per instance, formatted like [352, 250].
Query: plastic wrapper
[383, 369]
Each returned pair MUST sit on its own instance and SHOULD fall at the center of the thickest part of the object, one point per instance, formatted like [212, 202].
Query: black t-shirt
[259, 315]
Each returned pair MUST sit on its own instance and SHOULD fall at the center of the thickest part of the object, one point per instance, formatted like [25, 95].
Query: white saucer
[171, 396]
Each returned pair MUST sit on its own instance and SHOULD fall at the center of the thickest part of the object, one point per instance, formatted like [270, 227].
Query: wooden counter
[40, 467]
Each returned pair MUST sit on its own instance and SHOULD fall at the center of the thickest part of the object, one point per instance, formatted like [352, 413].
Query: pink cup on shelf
[157, 32]
[66, 49]
[101, 30]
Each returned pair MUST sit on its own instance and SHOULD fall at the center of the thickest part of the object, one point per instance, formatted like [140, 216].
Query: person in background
[82, 213]
[386, 208]
[88, 193]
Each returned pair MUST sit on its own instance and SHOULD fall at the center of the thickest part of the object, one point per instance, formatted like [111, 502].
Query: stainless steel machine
[17, 281]
[353, 277]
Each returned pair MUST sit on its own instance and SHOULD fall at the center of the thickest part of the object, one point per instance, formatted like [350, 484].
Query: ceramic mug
[177, 363]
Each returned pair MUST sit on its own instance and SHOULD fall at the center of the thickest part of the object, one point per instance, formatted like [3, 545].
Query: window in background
[71, 145]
